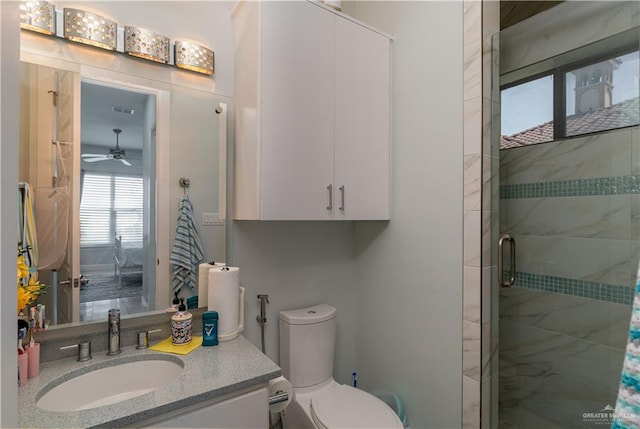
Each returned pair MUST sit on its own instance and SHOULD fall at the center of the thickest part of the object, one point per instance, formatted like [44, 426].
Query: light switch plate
[211, 219]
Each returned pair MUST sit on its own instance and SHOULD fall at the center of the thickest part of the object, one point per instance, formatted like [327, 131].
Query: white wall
[397, 285]
[9, 99]
[298, 264]
[409, 329]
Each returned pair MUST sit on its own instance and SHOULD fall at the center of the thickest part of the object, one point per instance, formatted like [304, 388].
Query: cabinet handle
[341, 197]
[330, 206]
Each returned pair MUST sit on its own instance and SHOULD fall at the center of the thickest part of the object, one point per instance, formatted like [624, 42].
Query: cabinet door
[362, 91]
[246, 411]
[296, 108]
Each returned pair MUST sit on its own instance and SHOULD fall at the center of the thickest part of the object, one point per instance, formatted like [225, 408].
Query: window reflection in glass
[527, 113]
[602, 96]
[111, 205]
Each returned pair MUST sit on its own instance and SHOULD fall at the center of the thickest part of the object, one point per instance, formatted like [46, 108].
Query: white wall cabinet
[312, 114]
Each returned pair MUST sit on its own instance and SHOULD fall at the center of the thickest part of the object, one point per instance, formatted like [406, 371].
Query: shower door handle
[512, 261]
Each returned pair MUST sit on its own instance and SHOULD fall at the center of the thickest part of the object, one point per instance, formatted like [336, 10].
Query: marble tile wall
[571, 207]
[481, 21]
[575, 222]
[559, 30]
[560, 357]
[599, 155]
[561, 354]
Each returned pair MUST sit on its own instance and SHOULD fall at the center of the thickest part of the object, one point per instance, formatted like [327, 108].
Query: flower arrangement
[29, 288]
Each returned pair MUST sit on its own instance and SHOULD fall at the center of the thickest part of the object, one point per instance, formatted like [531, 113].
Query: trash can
[394, 402]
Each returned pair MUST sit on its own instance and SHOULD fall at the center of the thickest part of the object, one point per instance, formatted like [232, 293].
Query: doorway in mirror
[117, 177]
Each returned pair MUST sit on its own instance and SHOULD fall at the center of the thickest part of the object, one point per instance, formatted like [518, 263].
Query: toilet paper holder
[278, 397]
[280, 394]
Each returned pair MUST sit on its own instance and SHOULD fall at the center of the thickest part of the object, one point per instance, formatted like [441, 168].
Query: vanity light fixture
[149, 45]
[194, 57]
[38, 16]
[90, 29]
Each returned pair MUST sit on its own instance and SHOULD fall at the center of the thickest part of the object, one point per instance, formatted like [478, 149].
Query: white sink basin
[109, 382]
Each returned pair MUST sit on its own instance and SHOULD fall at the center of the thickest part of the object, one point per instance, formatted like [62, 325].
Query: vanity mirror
[127, 134]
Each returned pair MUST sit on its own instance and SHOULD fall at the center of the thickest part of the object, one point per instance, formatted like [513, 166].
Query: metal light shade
[194, 57]
[147, 44]
[89, 28]
[38, 16]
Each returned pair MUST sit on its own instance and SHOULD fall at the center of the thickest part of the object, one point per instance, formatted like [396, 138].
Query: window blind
[111, 205]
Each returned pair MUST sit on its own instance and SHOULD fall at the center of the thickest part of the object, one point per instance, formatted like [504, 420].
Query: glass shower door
[572, 205]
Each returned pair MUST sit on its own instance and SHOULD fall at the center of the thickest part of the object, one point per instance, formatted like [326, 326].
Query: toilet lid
[347, 407]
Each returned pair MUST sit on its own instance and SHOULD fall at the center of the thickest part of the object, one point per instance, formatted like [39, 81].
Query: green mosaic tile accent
[622, 185]
[585, 289]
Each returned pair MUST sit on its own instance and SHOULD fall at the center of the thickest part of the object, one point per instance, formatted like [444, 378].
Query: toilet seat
[347, 407]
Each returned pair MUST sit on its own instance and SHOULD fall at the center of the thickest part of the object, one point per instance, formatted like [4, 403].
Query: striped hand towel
[187, 252]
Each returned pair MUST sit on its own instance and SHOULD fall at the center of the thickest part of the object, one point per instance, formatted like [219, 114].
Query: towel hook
[184, 184]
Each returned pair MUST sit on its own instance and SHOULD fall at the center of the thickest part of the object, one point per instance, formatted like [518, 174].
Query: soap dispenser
[181, 325]
[175, 304]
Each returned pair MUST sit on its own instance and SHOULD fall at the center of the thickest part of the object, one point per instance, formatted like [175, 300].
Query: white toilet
[307, 344]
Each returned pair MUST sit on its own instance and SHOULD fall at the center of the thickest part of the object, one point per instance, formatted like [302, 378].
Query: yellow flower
[28, 290]
[23, 270]
[24, 298]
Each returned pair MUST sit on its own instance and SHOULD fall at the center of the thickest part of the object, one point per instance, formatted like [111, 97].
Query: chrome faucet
[114, 332]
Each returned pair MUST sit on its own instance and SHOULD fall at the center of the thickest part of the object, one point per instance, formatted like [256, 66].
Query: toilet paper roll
[277, 386]
[224, 296]
[203, 281]
[336, 4]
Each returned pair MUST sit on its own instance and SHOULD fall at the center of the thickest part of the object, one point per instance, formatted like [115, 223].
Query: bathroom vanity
[222, 386]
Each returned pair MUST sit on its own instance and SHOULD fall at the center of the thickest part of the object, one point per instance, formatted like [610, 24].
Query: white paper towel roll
[224, 297]
[203, 281]
[277, 386]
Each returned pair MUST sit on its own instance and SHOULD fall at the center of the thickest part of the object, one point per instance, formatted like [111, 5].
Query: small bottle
[210, 328]
[175, 304]
[181, 325]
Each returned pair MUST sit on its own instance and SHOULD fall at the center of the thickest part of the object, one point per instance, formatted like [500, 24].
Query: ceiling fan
[114, 153]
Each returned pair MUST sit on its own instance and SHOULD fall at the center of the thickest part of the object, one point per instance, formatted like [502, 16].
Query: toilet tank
[307, 344]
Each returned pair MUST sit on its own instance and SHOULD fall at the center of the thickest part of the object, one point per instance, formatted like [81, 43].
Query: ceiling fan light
[115, 153]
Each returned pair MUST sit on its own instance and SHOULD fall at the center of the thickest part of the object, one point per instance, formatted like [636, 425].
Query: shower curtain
[52, 209]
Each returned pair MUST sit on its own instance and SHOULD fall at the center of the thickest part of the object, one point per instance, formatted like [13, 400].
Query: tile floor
[97, 310]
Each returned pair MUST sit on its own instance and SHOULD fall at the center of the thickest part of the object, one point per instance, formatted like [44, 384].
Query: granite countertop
[209, 372]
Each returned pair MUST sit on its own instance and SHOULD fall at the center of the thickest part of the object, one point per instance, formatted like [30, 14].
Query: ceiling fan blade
[97, 155]
[94, 159]
[125, 162]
